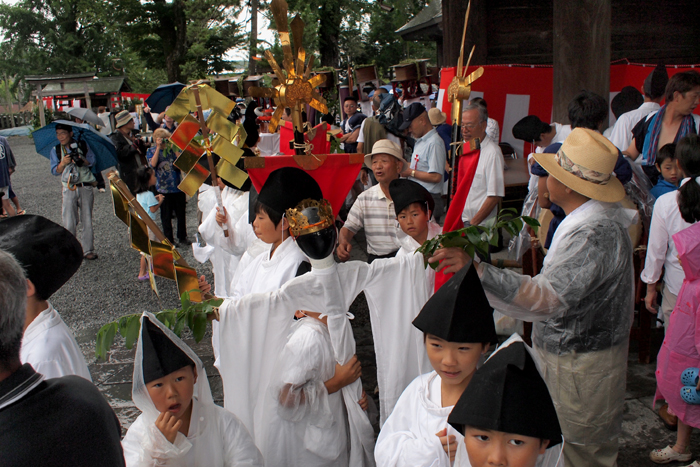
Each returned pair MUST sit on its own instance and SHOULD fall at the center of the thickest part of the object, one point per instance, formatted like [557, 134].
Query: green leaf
[123, 325]
[179, 324]
[132, 333]
[470, 250]
[105, 338]
[494, 238]
[200, 326]
[532, 222]
[488, 225]
[190, 318]
[185, 300]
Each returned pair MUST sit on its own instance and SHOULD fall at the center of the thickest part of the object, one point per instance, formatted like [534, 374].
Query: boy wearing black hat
[179, 423]
[506, 413]
[50, 256]
[458, 326]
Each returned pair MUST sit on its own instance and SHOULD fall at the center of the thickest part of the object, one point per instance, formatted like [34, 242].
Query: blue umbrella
[105, 152]
[163, 96]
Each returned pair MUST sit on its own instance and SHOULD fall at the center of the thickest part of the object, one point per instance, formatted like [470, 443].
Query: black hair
[667, 151]
[275, 217]
[143, 178]
[688, 156]
[479, 101]
[682, 82]
[423, 205]
[587, 110]
[350, 98]
[63, 126]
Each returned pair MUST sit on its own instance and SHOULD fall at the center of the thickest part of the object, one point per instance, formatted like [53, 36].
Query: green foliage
[48, 115]
[193, 315]
[476, 238]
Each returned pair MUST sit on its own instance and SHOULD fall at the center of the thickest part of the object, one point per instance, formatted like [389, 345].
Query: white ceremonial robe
[49, 346]
[220, 439]
[250, 342]
[306, 426]
[408, 438]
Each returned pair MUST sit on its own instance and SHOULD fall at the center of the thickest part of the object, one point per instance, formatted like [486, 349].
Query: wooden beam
[42, 117]
[88, 104]
[581, 51]
[453, 12]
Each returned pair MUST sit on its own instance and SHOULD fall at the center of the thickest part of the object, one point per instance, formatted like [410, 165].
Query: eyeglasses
[470, 126]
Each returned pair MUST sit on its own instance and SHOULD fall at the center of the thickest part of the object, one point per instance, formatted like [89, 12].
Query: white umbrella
[86, 115]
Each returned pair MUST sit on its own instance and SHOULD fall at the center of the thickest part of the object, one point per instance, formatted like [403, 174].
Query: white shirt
[49, 346]
[488, 180]
[621, 134]
[408, 438]
[107, 125]
[374, 212]
[661, 250]
[389, 136]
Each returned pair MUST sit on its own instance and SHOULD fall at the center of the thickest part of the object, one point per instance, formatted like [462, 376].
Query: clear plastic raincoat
[215, 438]
[582, 304]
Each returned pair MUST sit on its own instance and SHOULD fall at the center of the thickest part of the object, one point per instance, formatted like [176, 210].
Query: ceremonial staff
[457, 92]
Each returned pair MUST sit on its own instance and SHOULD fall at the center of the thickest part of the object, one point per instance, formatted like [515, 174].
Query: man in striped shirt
[374, 210]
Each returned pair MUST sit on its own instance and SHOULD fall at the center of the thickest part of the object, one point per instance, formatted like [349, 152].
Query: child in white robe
[50, 255]
[260, 336]
[506, 414]
[180, 425]
[458, 326]
[306, 419]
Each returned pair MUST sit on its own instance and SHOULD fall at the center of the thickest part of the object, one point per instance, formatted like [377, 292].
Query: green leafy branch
[194, 315]
[477, 238]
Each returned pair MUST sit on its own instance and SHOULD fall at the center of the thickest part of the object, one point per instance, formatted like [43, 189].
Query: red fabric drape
[335, 177]
[453, 219]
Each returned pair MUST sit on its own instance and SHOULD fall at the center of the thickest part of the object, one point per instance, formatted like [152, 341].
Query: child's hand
[160, 198]
[344, 375]
[203, 285]
[363, 401]
[449, 443]
[220, 218]
[168, 425]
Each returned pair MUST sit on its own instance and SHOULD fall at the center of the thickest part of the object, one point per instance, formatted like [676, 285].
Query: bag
[70, 175]
[391, 115]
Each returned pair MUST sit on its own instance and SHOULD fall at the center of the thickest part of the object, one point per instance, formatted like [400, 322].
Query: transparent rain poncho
[306, 426]
[215, 438]
[582, 304]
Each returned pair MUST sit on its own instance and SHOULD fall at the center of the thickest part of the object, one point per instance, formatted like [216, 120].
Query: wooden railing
[20, 118]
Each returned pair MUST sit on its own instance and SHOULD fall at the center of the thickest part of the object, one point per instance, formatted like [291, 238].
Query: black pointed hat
[161, 356]
[287, 187]
[49, 253]
[405, 192]
[459, 311]
[530, 128]
[508, 394]
[655, 83]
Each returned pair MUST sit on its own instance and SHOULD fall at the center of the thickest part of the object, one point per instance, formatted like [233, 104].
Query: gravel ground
[105, 289]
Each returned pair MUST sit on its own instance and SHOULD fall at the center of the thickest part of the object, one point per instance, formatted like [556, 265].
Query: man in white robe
[50, 255]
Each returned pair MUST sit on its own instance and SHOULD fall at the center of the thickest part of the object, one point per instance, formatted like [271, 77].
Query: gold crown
[299, 223]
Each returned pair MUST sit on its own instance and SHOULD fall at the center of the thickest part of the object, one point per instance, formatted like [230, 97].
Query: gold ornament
[299, 223]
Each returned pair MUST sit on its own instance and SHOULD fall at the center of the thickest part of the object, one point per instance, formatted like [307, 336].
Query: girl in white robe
[215, 438]
[458, 325]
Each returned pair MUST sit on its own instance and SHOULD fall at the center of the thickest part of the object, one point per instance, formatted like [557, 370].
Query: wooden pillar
[453, 12]
[581, 51]
[42, 118]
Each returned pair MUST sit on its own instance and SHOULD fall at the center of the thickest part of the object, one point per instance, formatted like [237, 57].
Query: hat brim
[440, 120]
[368, 159]
[405, 125]
[611, 192]
[119, 125]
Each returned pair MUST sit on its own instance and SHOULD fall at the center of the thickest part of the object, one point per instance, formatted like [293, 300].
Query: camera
[76, 154]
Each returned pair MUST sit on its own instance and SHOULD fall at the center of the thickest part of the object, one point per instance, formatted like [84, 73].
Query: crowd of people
[281, 337]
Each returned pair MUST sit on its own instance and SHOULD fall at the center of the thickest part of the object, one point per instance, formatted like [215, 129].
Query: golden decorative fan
[296, 88]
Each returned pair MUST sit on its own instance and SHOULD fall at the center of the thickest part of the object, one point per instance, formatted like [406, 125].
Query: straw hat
[384, 146]
[436, 117]
[123, 118]
[585, 163]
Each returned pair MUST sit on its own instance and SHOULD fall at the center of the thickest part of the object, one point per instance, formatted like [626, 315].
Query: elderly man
[428, 159]
[55, 422]
[72, 161]
[374, 210]
[669, 124]
[582, 301]
[488, 186]
[131, 151]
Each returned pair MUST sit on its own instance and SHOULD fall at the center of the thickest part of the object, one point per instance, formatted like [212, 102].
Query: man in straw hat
[374, 210]
[582, 300]
[131, 151]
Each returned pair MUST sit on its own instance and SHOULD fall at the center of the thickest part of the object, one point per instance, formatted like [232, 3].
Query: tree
[188, 38]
